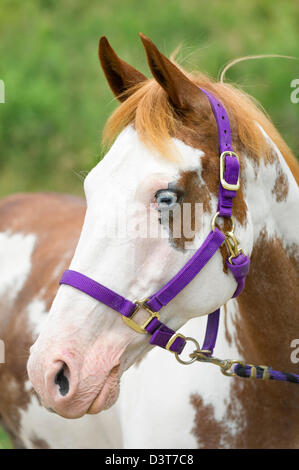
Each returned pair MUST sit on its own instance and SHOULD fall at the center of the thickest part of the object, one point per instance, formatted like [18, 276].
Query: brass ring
[193, 359]
[213, 222]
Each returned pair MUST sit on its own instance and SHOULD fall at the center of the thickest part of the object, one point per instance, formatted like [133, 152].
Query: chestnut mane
[148, 108]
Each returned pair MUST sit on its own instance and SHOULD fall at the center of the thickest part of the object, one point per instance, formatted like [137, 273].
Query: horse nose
[62, 380]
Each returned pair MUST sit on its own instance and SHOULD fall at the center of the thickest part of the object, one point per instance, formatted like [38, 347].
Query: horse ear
[120, 75]
[179, 88]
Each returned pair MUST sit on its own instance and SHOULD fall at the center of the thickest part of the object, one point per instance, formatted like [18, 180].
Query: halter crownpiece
[238, 262]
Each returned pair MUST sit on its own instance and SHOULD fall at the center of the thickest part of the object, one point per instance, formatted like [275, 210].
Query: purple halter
[238, 262]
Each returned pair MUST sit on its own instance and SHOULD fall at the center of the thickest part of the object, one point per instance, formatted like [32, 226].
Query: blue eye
[166, 199]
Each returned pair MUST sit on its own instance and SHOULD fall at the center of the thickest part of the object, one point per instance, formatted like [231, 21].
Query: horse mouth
[108, 393]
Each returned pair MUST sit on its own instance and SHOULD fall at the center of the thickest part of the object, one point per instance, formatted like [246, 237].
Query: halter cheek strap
[238, 262]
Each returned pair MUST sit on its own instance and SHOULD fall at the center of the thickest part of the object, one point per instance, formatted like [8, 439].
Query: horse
[91, 380]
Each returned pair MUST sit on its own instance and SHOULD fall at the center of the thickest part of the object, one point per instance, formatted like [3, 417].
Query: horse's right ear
[120, 75]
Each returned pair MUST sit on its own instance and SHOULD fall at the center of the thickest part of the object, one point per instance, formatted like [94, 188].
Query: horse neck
[269, 304]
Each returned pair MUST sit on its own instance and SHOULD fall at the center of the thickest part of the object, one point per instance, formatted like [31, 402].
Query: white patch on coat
[154, 404]
[191, 157]
[36, 314]
[62, 264]
[89, 432]
[15, 254]
[12, 386]
[266, 212]
[232, 317]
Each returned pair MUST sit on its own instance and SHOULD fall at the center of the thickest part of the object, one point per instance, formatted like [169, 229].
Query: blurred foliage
[57, 100]
[4, 440]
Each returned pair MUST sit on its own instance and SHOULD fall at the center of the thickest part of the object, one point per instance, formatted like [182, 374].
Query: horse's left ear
[182, 92]
[120, 75]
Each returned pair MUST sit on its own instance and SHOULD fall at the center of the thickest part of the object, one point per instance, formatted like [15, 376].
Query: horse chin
[108, 394]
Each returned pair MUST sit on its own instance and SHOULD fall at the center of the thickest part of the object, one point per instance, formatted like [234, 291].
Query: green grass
[57, 100]
[4, 440]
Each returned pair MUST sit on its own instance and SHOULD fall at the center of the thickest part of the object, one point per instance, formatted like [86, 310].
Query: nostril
[62, 381]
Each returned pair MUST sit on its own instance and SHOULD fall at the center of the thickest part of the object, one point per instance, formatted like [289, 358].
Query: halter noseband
[237, 262]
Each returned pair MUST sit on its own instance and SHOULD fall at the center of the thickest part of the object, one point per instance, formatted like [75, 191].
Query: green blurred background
[57, 100]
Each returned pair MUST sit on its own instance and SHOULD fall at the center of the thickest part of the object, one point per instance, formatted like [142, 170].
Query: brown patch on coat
[204, 136]
[39, 443]
[192, 192]
[281, 186]
[272, 298]
[56, 222]
[228, 335]
[197, 188]
[266, 413]
[210, 433]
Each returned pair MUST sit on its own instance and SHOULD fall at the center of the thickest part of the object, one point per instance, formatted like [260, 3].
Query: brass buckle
[231, 241]
[172, 340]
[224, 183]
[132, 324]
[232, 245]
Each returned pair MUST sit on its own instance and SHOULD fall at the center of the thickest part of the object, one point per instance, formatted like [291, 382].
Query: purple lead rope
[248, 371]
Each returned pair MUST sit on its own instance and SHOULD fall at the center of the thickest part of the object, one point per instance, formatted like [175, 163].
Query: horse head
[164, 157]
